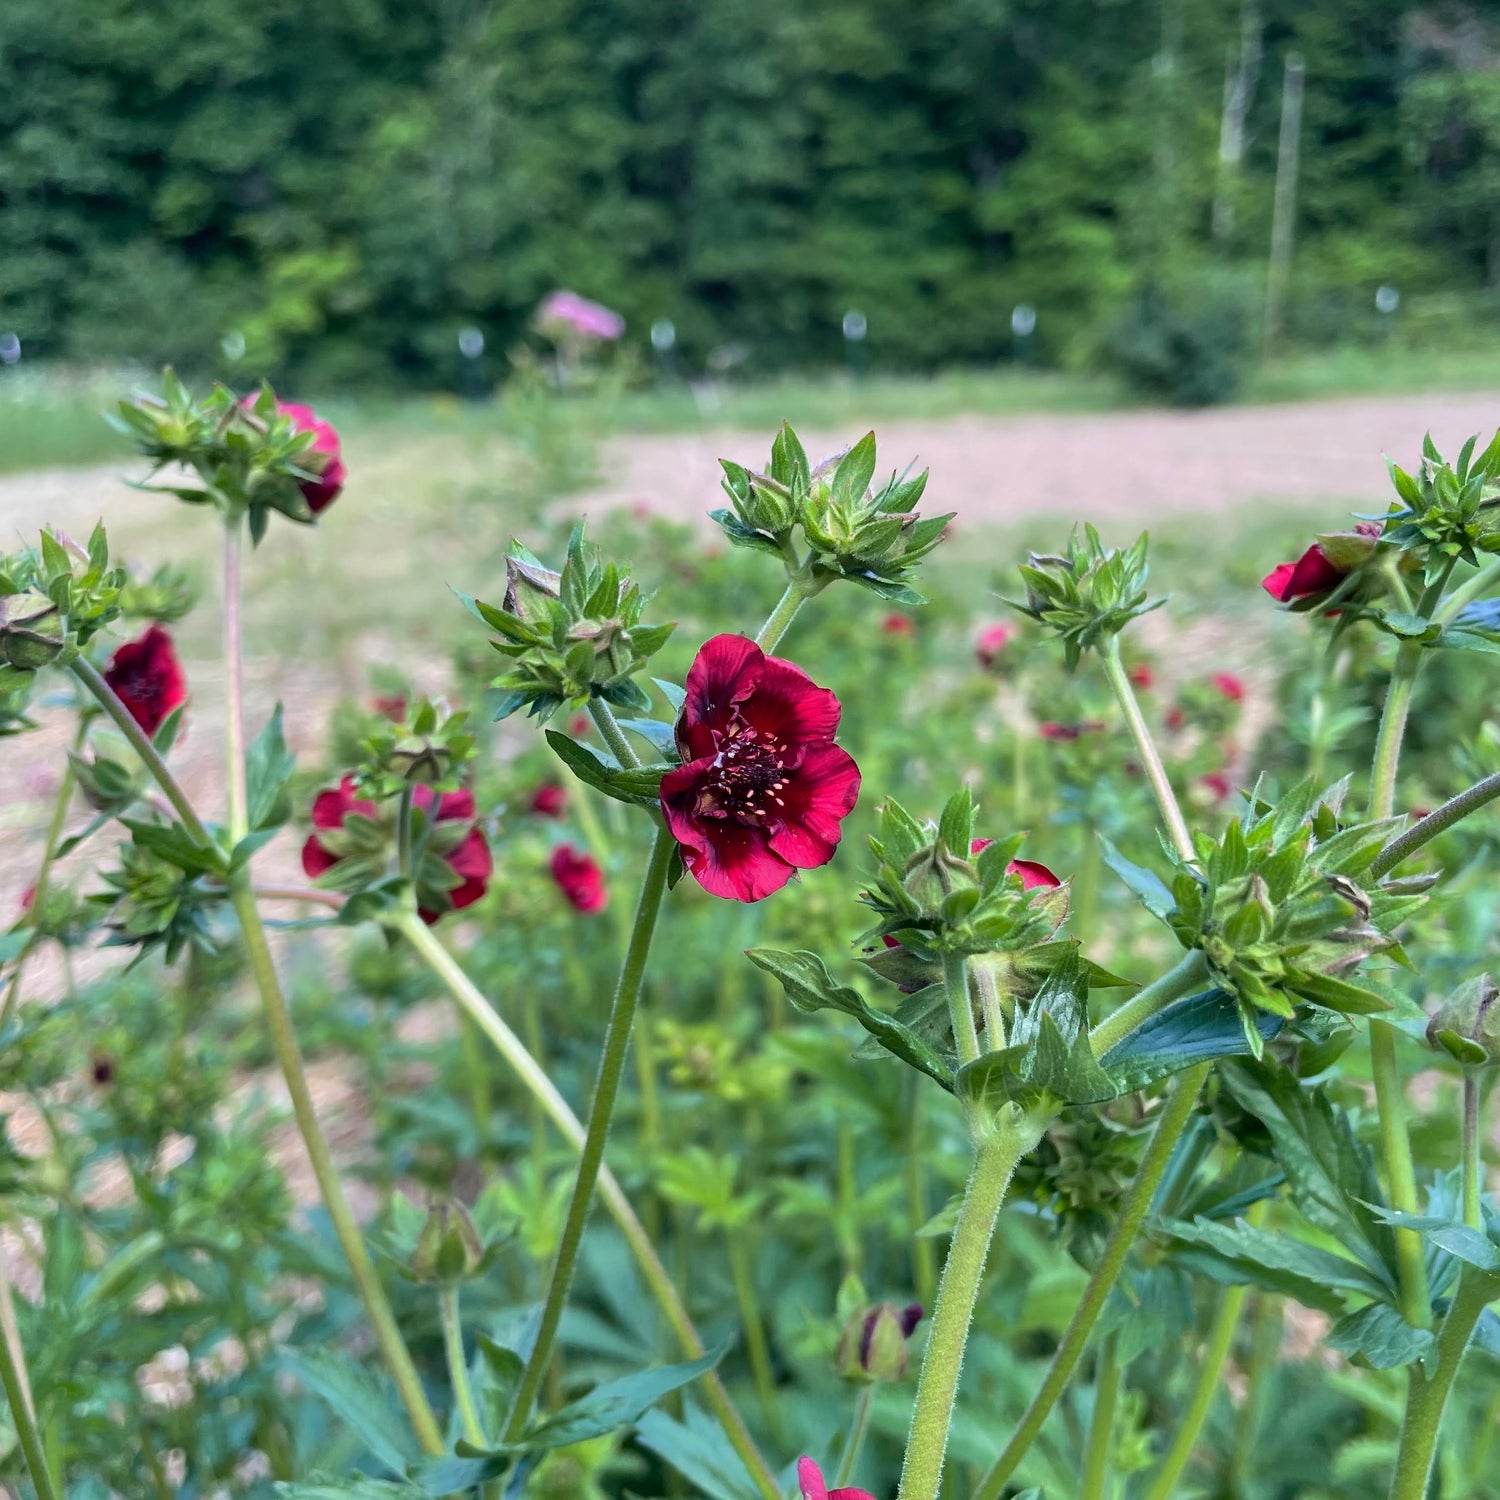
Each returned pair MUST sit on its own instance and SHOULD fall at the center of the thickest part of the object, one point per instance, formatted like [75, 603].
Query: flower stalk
[458, 1369]
[1101, 1424]
[477, 1008]
[1177, 1110]
[23, 1419]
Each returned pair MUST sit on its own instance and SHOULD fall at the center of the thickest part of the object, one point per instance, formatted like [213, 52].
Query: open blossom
[990, 642]
[814, 1487]
[763, 789]
[579, 878]
[147, 678]
[1227, 685]
[1143, 677]
[325, 457]
[1314, 572]
[465, 851]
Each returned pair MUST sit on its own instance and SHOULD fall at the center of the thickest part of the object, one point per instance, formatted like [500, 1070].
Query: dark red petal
[1033, 876]
[459, 804]
[818, 796]
[467, 893]
[789, 705]
[330, 808]
[726, 858]
[1278, 581]
[472, 859]
[316, 859]
[1312, 573]
[719, 678]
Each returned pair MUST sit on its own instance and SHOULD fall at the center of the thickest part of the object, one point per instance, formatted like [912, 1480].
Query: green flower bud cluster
[572, 636]
[1283, 908]
[245, 455]
[870, 537]
[167, 595]
[53, 599]
[158, 898]
[1447, 513]
[447, 1244]
[937, 890]
[430, 747]
[1089, 594]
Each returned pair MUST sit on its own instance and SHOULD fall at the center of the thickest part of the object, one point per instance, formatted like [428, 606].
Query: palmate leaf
[810, 987]
[1382, 1336]
[1331, 1176]
[1196, 1029]
[366, 1400]
[697, 1448]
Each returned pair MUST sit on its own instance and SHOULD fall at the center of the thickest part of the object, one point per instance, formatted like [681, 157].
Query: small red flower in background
[390, 706]
[1069, 732]
[579, 725]
[470, 858]
[1313, 573]
[1218, 783]
[898, 625]
[325, 457]
[1227, 685]
[579, 878]
[814, 1487]
[1143, 677]
[763, 788]
[147, 678]
[990, 642]
[549, 800]
[1175, 718]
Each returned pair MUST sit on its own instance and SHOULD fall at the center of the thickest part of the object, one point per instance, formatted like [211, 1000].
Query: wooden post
[1284, 210]
[1240, 77]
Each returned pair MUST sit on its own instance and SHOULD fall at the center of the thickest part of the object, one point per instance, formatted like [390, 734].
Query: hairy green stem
[458, 1368]
[858, 1428]
[1173, 1120]
[346, 1227]
[403, 831]
[606, 1088]
[42, 883]
[799, 590]
[430, 949]
[1156, 772]
[1188, 976]
[1101, 1424]
[1404, 845]
[614, 736]
[1210, 1378]
[1428, 1395]
[1472, 1151]
[234, 686]
[89, 675]
[757, 1347]
[1390, 1099]
[923, 1259]
[956, 981]
[995, 1160]
[24, 1420]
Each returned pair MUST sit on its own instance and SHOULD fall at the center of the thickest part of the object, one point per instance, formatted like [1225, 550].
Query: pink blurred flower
[1143, 677]
[990, 642]
[1218, 783]
[814, 1487]
[1175, 718]
[895, 624]
[1229, 686]
[588, 320]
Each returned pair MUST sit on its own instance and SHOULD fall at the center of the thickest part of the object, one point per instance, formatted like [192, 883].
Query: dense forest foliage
[343, 186]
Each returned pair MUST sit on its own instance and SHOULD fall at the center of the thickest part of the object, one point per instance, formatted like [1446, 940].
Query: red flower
[579, 878]
[549, 800]
[470, 858]
[814, 1487]
[990, 642]
[1314, 572]
[1218, 783]
[762, 788]
[1227, 684]
[1175, 718]
[147, 678]
[898, 625]
[324, 458]
[1143, 677]
[390, 706]
[1068, 732]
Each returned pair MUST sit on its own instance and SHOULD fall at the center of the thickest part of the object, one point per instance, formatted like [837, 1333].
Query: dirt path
[1094, 467]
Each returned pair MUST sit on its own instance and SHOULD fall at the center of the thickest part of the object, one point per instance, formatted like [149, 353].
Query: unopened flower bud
[29, 637]
[873, 1343]
[529, 585]
[449, 1249]
[1467, 1024]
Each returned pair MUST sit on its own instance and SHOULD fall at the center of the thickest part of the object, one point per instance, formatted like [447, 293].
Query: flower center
[747, 776]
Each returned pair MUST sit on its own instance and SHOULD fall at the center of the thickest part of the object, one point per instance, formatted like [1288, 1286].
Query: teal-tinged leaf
[363, 1398]
[1149, 887]
[1196, 1029]
[1381, 1335]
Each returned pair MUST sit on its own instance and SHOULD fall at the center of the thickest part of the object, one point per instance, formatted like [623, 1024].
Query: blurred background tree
[344, 186]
